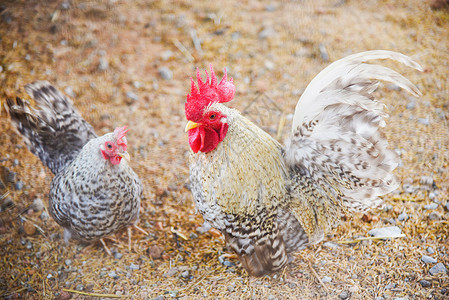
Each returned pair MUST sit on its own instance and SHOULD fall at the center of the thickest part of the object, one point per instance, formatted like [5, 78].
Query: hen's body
[270, 200]
[90, 196]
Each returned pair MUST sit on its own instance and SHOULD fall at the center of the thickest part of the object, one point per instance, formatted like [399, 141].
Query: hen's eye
[212, 116]
[109, 145]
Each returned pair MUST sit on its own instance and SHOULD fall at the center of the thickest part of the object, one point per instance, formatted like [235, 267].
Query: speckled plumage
[89, 196]
[270, 200]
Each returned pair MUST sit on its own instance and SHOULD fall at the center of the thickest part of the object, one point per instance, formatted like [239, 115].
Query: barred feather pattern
[89, 196]
[55, 132]
[270, 200]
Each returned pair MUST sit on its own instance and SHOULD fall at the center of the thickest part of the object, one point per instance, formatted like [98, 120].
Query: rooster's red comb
[120, 133]
[208, 92]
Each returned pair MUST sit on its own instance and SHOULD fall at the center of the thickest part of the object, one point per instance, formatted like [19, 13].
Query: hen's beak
[125, 155]
[190, 125]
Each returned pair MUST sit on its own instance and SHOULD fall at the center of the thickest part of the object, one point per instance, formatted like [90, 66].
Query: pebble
[15, 162]
[29, 228]
[165, 73]
[63, 295]
[80, 287]
[431, 206]
[113, 275]
[323, 52]
[185, 274]
[424, 121]
[155, 251]
[166, 55]
[411, 105]
[428, 259]
[230, 288]
[344, 295]
[434, 216]
[266, 33]
[159, 298]
[65, 5]
[437, 269]
[68, 262]
[385, 232]
[134, 267]
[137, 84]
[447, 205]
[390, 286]
[326, 279]
[403, 217]
[430, 250]
[69, 92]
[132, 96]
[118, 255]
[270, 7]
[37, 205]
[103, 64]
[425, 283]
[388, 207]
[8, 202]
[171, 272]
[19, 185]
[332, 245]
[44, 216]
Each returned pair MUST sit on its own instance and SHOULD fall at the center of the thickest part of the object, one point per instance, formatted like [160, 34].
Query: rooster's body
[94, 192]
[269, 200]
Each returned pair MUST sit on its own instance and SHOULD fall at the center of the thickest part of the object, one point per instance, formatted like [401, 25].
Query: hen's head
[114, 148]
[207, 124]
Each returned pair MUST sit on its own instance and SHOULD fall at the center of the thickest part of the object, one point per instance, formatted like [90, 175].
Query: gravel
[428, 259]
[132, 96]
[431, 206]
[37, 205]
[437, 269]
[103, 64]
[425, 283]
[344, 295]
[326, 279]
[430, 250]
[165, 73]
[385, 231]
[403, 217]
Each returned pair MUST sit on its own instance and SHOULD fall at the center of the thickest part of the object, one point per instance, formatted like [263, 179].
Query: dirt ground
[129, 63]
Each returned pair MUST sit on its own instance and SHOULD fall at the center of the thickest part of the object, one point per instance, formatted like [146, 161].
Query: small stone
[118, 255]
[185, 274]
[344, 295]
[425, 283]
[403, 217]
[411, 105]
[323, 52]
[331, 245]
[390, 286]
[388, 207]
[29, 228]
[103, 64]
[432, 196]
[15, 162]
[80, 287]
[19, 185]
[134, 267]
[37, 205]
[113, 275]
[379, 298]
[69, 92]
[424, 121]
[7, 202]
[132, 96]
[165, 73]
[137, 84]
[171, 272]
[428, 259]
[230, 288]
[166, 55]
[29, 245]
[430, 250]
[269, 65]
[65, 5]
[434, 216]
[271, 7]
[159, 298]
[431, 206]
[44, 216]
[447, 205]
[266, 33]
[326, 279]
[68, 262]
[155, 252]
[63, 295]
[385, 232]
[193, 236]
[437, 269]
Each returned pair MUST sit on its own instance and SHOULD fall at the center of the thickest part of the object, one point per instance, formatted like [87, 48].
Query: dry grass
[65, 46]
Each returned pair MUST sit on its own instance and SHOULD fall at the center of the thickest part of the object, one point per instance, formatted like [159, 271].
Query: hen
[94, 193]
[269, 200]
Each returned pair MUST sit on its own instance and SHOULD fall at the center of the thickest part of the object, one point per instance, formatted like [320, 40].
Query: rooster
[269, 200]
[94, 193]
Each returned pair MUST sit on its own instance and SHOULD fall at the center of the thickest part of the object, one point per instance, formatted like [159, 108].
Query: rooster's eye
[109, 145]
[212, 116]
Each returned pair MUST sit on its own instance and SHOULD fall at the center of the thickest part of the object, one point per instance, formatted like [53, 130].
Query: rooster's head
[207, 124]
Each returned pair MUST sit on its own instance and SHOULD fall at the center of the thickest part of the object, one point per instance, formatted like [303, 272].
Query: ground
[129, 63]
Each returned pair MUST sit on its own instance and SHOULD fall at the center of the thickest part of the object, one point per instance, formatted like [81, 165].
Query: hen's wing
[337, 156]
[54, 131]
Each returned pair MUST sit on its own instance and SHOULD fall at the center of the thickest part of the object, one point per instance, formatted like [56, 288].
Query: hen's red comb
[120, 133]
[208, 92]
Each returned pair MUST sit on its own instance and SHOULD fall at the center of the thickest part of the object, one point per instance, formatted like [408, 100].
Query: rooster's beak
[190, 125]
[125, 155]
